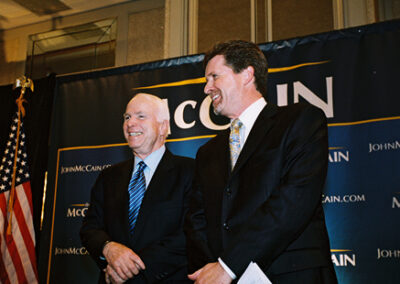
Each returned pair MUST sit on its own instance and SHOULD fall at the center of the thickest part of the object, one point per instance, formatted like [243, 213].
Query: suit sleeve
[292, 204]
[93, 233]
[198, 252]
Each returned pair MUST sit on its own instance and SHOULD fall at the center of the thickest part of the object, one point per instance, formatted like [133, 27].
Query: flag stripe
[3, 271]
[28, 252]
[26, 201]
[21, 250]
[11, 260]
[16, 259]
[28, 194]
[26, 217]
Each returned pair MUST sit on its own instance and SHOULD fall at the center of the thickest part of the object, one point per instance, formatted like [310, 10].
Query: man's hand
[212, 273]
[123, 261]
[111, 276]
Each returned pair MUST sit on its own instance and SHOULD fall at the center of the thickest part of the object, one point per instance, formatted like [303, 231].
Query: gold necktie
[234, 140]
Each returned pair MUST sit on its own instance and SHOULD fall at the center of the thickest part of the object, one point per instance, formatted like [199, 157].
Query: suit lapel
[153, 192]
[223, 155]
[261, 127]
[121, 196]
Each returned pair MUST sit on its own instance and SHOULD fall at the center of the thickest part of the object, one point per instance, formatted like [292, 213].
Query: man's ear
[164, 128]
[248, 75]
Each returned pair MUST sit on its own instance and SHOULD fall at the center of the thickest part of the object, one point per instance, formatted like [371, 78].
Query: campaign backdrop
[352, 75]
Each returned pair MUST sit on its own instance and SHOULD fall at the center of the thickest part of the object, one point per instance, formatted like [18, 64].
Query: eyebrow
[210, 74]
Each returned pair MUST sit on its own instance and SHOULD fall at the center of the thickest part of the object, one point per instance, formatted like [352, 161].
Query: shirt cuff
[227, 269]
[102, 257]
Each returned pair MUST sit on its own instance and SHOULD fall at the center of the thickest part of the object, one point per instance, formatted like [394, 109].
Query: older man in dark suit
[133, 228]
[258, 185]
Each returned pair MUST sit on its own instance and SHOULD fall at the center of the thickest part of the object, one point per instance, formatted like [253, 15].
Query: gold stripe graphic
[92, 147]
[126, 144]
[289, 68]
[174, 84]
[191, 138]
[202, 80]
[364, 121]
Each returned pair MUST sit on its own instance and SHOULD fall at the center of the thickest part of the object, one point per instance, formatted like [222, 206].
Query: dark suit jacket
[268, 209]
[158, 237]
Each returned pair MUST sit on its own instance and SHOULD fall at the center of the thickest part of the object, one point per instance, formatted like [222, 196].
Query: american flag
[18, 260]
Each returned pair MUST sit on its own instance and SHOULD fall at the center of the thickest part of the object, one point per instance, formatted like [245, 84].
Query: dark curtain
[36, 124]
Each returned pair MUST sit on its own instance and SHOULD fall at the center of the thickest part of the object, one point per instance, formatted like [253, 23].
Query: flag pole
[24, 83]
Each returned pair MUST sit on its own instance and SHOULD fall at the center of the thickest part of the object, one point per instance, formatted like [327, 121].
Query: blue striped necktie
[137, 188]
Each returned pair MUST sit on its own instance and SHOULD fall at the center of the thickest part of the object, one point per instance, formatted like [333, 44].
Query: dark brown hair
[240, 54]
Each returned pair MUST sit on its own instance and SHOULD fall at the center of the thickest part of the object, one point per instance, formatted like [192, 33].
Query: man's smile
[135, 133]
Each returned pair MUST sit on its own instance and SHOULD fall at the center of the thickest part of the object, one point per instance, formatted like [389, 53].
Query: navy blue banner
[350, 74]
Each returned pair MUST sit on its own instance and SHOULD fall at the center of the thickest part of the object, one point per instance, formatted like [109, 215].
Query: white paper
[254, 275]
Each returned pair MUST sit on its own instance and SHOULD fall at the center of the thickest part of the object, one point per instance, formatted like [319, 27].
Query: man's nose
[131, 122]
[208, 87]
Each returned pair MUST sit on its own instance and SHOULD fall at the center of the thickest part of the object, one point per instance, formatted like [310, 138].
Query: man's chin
[216, 111]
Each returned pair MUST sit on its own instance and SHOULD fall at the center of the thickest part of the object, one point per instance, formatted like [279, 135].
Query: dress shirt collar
[250, 114]
[151, 162]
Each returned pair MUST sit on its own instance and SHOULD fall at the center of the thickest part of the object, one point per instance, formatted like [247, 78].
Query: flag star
[23, 163]
[6, 151]
[9, 162]
[16, 120]
[12, 155]
[21, 171]
[11, 135]
[22, 143]
[8, 143]
[18, 159]
[18, 179]
[19, 151]
[4, 159]
[26, 175]
[2, 187]
[13, 128]
[7, 170]
[5, 178]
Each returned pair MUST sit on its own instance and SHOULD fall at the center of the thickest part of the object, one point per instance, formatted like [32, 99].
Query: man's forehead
[139, 106]
[216, 63]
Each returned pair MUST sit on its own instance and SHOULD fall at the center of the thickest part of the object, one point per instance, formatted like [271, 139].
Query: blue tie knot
[141, 167]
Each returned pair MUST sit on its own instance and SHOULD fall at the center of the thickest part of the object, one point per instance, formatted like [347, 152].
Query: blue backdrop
[352, 75]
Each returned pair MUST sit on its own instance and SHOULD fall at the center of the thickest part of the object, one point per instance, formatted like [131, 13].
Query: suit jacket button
[226, 226]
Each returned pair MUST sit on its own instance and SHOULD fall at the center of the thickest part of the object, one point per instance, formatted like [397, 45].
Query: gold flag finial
[23, 83]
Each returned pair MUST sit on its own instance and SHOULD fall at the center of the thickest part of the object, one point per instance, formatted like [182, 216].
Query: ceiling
[17, 13]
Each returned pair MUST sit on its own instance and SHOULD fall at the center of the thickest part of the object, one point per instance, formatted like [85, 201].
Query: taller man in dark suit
[133, 228]
[258, 185]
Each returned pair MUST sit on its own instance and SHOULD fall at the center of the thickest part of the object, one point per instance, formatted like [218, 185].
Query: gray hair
[162, 111]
